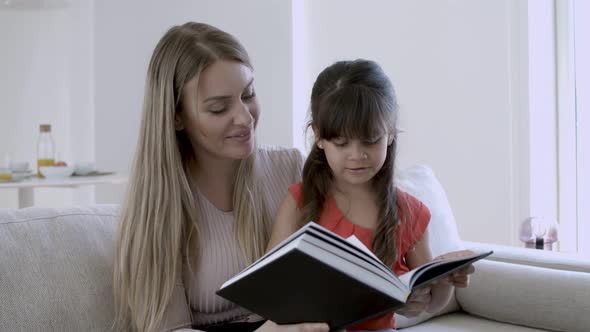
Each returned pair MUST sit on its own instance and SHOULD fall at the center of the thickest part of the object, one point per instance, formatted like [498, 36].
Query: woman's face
[219, 112]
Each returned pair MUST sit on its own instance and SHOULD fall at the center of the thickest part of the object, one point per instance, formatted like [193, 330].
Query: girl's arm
[286, 221]
[440, 292]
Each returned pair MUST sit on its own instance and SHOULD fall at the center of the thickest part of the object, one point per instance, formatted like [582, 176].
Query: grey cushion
[527, 295]
[56, 269]
[461, 322]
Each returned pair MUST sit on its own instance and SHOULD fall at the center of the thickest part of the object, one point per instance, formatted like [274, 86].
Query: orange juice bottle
[45, 148]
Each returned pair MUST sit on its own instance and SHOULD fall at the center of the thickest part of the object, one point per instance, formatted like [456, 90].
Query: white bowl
[19, 166]
[56, 172]
[84, 168]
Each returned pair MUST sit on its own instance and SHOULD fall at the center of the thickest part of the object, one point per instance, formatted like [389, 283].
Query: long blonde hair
[159, 219]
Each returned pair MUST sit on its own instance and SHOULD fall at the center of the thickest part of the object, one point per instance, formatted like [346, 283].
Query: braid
[384, 244]
[384, 241]
[317, 178]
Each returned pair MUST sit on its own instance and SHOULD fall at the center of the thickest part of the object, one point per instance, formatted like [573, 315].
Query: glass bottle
[45, 148]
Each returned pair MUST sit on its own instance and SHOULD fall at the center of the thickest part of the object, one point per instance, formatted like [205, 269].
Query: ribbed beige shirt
[220, 257]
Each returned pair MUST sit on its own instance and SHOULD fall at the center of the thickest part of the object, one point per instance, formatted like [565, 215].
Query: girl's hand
[417, 303]
[304, 327]
[459, 278]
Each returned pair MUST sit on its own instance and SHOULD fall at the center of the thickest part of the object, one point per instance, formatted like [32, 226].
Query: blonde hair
[159, 219]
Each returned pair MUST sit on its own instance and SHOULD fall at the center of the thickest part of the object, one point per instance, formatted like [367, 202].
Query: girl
[348, 181]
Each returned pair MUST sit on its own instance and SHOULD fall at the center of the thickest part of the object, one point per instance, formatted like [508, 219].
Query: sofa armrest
[529, 295]
[534, 257]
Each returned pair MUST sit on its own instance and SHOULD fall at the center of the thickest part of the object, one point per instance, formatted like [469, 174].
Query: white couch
[56, 274]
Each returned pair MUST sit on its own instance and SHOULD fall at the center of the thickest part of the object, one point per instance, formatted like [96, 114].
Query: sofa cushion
[420, 182]
[552, 299]
[462, 322]
[56, 269]
[540, 258]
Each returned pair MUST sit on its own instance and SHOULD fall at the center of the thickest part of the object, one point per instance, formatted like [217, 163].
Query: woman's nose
[243, 116]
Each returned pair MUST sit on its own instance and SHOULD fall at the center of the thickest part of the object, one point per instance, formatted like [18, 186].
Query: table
[26, 193]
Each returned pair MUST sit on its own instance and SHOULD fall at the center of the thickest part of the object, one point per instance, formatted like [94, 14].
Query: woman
[201, 195]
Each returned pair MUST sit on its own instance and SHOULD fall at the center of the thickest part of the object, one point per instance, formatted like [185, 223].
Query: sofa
[56, 273]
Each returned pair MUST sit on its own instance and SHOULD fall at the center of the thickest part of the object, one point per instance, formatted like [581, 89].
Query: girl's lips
[357, 169]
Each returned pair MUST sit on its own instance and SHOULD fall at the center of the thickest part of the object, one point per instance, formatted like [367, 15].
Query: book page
[436, 270]
[342, 244]
[357, 243]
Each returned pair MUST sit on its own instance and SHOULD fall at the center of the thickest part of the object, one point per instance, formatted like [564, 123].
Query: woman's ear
[178, 125]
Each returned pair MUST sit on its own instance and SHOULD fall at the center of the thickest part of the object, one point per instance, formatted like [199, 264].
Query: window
[573, 123]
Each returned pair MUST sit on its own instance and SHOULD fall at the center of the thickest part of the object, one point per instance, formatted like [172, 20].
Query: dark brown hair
[354, 99]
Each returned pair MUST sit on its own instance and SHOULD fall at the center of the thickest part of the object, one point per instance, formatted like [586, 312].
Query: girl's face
[354, 161]
[220, 112]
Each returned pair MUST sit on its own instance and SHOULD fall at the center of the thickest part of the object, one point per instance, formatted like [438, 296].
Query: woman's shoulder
[276, 169]
[276, 156]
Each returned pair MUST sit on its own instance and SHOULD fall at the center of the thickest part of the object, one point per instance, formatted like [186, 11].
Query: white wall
[460, 69]
[126, 33]
[46, 78]
[453, 65]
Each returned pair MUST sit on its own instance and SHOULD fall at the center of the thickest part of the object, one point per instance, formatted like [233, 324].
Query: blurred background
[493, 93]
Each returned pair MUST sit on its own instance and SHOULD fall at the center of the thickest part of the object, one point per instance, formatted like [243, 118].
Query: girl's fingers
[462, 285]
[313, 327]
[420, 299]
[462, 278]
[468, 270]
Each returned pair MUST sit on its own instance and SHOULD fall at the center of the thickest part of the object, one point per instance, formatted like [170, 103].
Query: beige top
[221, 257]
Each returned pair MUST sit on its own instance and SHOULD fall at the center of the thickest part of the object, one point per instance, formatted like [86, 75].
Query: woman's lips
[241, 137]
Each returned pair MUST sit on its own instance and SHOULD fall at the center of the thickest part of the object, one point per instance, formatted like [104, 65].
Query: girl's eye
[340, 142]
[373, 141]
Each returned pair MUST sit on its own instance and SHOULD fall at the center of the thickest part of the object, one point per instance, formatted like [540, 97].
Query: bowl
[56, 172]
[19, 166]
[84, 168]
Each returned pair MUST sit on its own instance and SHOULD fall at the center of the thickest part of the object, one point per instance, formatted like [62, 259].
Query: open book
[318, 276]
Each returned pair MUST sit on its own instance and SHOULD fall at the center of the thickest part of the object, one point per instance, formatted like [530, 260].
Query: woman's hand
[304, 327]
[417, 303]
[459, 278]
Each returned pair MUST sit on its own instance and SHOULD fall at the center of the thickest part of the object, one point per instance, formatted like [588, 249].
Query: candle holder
[539, 233]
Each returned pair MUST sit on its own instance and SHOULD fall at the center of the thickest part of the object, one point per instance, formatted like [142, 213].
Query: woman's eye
[249, 96]
[218, 110]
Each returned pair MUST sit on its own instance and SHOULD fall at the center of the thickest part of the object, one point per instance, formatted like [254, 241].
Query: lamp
[539, 233]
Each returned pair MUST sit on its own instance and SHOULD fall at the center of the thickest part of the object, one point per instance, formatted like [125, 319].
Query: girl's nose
[357, 152]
